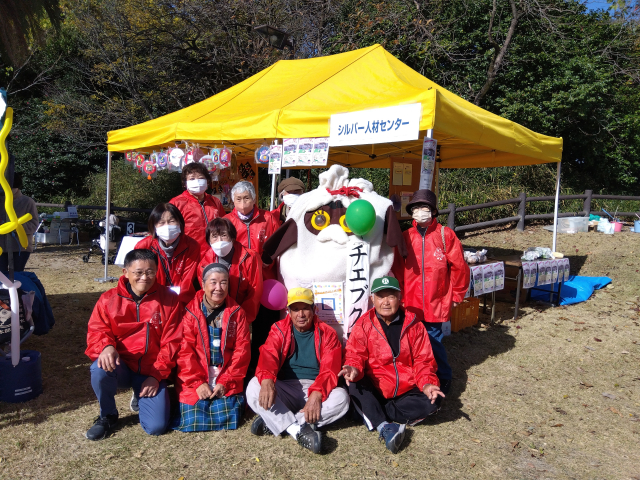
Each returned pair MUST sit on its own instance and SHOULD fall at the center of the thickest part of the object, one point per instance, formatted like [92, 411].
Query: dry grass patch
[527, 400]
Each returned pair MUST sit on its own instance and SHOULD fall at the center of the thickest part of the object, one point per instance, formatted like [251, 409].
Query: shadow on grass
[465, 349]
[65, 368]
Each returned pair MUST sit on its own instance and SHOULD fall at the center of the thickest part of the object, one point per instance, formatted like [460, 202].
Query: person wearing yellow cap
[295, 388]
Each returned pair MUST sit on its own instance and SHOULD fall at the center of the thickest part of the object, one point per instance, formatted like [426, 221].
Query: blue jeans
[435, 335]
[154, 411]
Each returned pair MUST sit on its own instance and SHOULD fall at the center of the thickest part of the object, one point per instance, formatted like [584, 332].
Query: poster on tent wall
[305, 152]
[289, 152]
[320, 152]
[378, 125]
[275, 159]
[429, 149]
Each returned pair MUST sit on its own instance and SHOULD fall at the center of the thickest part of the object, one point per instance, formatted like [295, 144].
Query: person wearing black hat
[434, 276]
[289, 190]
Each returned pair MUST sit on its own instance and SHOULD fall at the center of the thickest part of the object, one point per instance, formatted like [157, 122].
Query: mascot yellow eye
[343, 224]
[320, 220]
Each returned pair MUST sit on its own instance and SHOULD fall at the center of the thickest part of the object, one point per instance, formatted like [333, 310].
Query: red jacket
[195, 350]
[180, 269]
[146, 335]
[368, 350]
[430, 279]
[253, 236]
[196, 216]
[245, 278]
[281, 344]
[276, 213]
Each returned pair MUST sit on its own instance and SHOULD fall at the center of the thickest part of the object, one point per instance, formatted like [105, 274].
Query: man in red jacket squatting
[295, 387]
[389, 366]
[133, 337]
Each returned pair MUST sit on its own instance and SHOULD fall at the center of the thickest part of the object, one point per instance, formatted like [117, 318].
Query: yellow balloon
[14, 222]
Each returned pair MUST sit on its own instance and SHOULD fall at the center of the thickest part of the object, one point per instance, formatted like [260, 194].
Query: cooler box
[465, 314]
[22, 382]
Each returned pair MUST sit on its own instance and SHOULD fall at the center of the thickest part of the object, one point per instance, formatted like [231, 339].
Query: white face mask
[168, 233]
[421, 217]
[222, 249]
[197, 186]
[289, 199]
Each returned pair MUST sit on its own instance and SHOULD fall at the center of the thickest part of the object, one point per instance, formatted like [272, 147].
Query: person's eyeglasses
[422, 209]
[142, 273]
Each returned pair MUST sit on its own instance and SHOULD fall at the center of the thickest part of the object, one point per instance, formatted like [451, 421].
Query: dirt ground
[528, 400]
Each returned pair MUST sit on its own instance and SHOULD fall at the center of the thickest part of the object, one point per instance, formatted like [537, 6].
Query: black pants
[406, 408]
[259, 332]
[19, 261]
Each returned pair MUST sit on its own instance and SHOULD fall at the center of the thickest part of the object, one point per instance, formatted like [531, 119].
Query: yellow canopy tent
[296, 98]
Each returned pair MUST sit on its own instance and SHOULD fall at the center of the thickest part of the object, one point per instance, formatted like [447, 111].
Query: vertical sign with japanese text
[379, 125]
[357, 284]
[429, 148]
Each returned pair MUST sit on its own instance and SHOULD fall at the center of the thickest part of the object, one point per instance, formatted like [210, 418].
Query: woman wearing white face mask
[197, 207]
[178, 254]
[289, 190]
[245, 266]
[434, 276]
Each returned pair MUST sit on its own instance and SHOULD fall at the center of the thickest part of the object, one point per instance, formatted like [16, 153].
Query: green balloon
[360, 217]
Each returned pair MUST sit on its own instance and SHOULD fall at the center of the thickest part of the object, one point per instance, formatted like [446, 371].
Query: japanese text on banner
[379, 125]
[357, 285]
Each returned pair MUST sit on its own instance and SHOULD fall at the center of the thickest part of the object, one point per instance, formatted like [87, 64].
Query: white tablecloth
[128, 243]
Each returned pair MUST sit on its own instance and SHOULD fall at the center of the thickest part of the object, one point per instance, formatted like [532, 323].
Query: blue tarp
[42, 314]
[577, 289]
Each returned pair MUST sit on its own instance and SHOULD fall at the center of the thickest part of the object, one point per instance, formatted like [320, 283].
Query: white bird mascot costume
[317, 249]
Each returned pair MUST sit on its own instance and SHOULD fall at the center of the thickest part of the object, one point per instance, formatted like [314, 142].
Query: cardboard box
[465, 315]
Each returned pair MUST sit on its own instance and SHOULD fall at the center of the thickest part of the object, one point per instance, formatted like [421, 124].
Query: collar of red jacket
[123, 292]
[191, 198]
[431, 228]
[371, 315]
[256, 213]
[180, 247]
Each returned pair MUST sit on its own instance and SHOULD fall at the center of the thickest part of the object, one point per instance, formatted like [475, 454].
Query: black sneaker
[133, 404]
[258, 427]
[309, 438]
[101, 427]
[392, 434]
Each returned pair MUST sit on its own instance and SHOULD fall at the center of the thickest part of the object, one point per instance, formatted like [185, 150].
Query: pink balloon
[274, 295]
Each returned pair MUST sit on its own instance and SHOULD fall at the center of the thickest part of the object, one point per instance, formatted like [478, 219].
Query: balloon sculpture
[14, 223]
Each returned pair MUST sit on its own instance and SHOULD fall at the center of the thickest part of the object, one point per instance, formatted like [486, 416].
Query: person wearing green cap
[389, 366]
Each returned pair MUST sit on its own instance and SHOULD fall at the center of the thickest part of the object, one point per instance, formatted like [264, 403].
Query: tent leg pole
[273, 190]
[106, 277]
[555, 210]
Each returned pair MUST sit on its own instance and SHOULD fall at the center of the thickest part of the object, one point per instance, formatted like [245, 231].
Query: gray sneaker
[133, 404]
[258, 427]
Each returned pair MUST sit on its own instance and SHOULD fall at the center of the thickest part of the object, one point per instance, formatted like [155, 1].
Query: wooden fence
[588, 196]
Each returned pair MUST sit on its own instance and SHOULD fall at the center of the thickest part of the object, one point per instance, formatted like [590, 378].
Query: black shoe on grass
[101, 427]
[309, 438]
[258, 427]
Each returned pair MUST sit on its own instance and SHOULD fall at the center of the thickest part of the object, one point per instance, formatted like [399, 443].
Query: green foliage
[52, 167]
[129, 188]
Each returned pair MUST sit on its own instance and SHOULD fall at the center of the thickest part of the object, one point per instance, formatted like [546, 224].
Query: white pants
[291, 396]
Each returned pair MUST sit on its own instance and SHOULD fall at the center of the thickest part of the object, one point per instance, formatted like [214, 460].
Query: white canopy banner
[379, 125]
